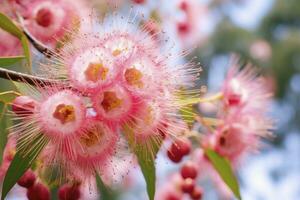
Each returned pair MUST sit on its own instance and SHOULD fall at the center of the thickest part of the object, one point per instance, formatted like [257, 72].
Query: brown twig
[21, 77]
[35, 42]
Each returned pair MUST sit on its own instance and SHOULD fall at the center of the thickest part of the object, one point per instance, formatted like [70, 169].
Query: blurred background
[267, 33]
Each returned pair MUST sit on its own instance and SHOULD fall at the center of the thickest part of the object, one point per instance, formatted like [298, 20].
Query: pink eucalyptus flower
[48, 21]
[120, 78]
[234, 141]
[190, 28]
[58, 115]
[245, 92]
[261, 50]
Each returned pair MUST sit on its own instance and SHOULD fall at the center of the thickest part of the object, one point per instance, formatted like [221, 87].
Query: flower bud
[23, 105]
[27, 180]
[38, 192]
[189, 170]
[69, 192]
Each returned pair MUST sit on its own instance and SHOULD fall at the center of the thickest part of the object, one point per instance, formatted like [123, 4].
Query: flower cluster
[244, 114]
[111, 89]
[109, 85]
[241, 120]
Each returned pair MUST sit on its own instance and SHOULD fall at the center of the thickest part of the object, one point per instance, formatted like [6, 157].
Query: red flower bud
[189, 170]
[23, 105]
[69, 192]
[197, 193]
[38, 192]
[27, 180]
[188, 185]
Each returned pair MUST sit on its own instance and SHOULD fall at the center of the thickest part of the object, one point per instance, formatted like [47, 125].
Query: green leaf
[147, 165]
[105, 192]
[8, 25]
[5, 122]
[223, 167]
[26, 50]
[22, 162]
[6, 61]
[8, 96]
[146, 157]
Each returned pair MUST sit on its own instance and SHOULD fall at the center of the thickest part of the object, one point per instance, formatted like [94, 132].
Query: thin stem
[212, 98]
[202, 121]
[36, 43]
[21, 77]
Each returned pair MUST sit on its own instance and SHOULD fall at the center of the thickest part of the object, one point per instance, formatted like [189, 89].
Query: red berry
[197, 193]
[189, 170]
[188, 185]
[181, 147]
[27, 180]
[172, 196]
[139, 1]
[44, 17]
[183, 27]
[183, 6]
[23, 105]
[69, 192]
[38, 192]
[176, 158]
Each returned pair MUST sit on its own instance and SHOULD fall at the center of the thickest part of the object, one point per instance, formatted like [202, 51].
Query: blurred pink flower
[50, 21]
[261, 50]
[190, 27]
[245, 92]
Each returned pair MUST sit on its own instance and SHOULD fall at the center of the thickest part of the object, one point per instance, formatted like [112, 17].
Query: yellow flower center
[110, 101]
[64, 113]
[116, 52]
[92, 137]
[95, 72]
[134, 77]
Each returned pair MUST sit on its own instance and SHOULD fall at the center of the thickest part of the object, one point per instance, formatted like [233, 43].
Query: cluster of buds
[37, 190]
[183, 185]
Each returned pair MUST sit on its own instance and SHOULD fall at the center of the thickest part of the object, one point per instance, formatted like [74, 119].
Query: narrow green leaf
[6, 61]
[7, 25]
[21, 163]
[5, 122]
[223, 167]
[147, 165]
[26, 50]
[146, 158]
[105, 192]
